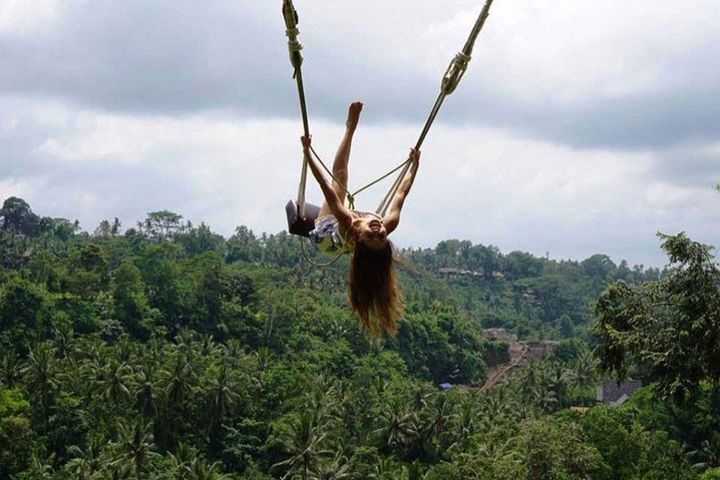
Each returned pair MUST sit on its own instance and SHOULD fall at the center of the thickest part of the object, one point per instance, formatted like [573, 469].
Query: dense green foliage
[169, 352]
[533, 297]
[668, 330]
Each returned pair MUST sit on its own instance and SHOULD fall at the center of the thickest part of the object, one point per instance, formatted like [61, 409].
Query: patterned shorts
[326, 236]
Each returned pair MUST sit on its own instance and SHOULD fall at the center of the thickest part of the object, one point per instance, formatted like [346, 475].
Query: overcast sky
[580, 127]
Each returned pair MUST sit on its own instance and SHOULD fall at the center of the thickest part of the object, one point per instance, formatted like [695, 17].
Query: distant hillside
[530, 296]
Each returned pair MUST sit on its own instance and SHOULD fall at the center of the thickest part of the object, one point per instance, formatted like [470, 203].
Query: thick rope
[450, 81]
[291, 20]
[294, 47]
[387, 199]
[479, 24]
[374, 182]
[313, 262]
[350, 197]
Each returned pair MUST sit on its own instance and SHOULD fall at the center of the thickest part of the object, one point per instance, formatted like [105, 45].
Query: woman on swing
[373, 290]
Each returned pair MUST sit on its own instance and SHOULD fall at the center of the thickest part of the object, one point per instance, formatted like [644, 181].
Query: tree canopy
[169, 352]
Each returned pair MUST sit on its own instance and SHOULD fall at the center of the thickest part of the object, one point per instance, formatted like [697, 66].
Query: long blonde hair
[373, 289]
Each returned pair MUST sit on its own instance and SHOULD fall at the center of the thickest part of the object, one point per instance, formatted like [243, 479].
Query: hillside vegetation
[165, 351]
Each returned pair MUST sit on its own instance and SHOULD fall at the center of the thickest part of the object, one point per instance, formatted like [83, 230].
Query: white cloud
[19, 188]
[616, 65]
[27, 17]
[482, 184]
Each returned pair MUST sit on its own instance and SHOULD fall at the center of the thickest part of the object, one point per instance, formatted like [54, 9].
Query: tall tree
[129, 298]
[16, 216]
[41, 377]
[304, 440]
[667, 329]
[24, 313]
[103, 229]
[161, 225]
[134, 449]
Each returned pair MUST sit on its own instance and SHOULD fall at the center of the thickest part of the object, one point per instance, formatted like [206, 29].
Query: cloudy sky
[580, 127]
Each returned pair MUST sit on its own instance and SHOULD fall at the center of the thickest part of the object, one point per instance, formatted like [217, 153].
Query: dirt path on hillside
[518, 356]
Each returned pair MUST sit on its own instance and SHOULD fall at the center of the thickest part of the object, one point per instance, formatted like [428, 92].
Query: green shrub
[712, 474]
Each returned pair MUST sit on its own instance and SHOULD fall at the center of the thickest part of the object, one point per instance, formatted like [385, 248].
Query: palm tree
[93, 373]
[93, 349]
[440, 415]
[41, 469]
[187, 464]
[493, 406]
[419, 398]
[585, 370]
[528, 378]
[199, 469]
[584, 375]
[178, 381]
[493, 450]
[222, 396]
[184, 343]
[153, 352]
[10, 368]
[124, 350]
[429, 428]
[133, 449]
[524, 410]
[113, 381]
[708, 455]
[464, 422]
[383, 469]
[545, 398]
[41, 376]
[208, 347]
[303, 439]
[63, 344]
[413, 471]
[145, 386]
[559, 380]
[86, 463]
[337, 328]
[396, 424]
[336, 468]
[263, 356]
[234, 349]
[322, 399]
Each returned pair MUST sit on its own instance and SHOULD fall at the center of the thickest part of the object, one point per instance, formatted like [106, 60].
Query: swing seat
[298, 225]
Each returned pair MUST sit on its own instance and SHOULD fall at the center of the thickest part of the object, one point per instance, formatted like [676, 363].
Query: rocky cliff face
[520, 354]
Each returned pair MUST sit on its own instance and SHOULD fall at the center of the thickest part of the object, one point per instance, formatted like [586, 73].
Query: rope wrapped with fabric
[291, 22]
[294, 47]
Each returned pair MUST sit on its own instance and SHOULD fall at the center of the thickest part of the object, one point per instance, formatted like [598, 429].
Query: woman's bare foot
[354, 115]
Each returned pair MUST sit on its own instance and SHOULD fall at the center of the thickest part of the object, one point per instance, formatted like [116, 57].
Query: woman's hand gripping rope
[336, 205]
[392, 219]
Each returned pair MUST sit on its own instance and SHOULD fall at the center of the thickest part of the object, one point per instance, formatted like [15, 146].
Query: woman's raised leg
[342, 157]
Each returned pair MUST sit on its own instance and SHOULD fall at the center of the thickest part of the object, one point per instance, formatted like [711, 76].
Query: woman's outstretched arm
[392, 219]
[336, 205]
